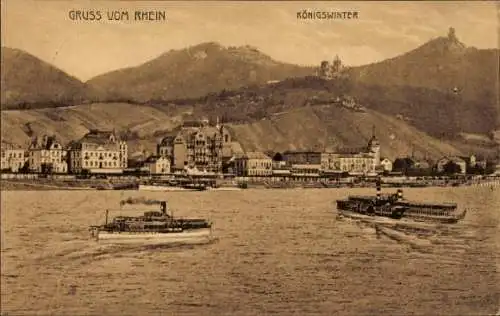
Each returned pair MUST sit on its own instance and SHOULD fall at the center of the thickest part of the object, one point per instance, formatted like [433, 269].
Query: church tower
[374, 147]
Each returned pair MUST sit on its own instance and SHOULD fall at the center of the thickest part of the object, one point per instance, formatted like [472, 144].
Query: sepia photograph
[250, 158]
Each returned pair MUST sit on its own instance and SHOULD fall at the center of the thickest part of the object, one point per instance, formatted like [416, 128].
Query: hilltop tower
[374, 147]
[451, 34]
[336, 65]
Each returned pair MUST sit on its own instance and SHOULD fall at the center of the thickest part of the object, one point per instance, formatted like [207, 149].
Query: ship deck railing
[144, 230]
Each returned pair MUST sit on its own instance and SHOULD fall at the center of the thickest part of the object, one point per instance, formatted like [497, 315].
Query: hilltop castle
[331, 71]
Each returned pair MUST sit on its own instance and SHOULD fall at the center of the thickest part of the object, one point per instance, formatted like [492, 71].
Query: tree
[477, 169]
[451, 168]
[278, 157]
[490, 167]
[47, 168]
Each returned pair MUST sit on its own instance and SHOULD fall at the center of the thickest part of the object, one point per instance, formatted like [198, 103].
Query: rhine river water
[277, 252]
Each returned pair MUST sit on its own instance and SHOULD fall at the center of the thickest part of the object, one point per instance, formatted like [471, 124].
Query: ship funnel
[379, 185]
[163, 207]
[400, 194]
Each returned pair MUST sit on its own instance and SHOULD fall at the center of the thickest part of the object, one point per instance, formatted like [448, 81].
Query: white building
[47, 155]
[157, 165]
[253, 164]
[98, 152]
[356, 160]
[13, 159]
[386, 164]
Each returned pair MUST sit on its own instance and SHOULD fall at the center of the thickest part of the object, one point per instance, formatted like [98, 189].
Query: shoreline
[99, 185]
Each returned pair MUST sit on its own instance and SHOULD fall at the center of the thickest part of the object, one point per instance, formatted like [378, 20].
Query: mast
[379, 185]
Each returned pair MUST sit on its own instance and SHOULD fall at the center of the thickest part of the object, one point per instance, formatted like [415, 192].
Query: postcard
[250, 158]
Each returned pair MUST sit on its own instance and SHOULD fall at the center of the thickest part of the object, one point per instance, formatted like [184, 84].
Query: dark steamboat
[395, 206]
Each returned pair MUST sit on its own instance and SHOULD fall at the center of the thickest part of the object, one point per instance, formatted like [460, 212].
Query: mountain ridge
[438, 87]
[193, 72]
[28, 80]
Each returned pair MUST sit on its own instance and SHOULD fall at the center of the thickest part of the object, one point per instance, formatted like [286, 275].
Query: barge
[396, 207]
[157, 227]
[166, 187]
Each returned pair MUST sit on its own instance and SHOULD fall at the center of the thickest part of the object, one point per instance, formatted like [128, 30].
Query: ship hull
[187, 236]
[398, 211]
[164, 188]
[387, 221]
[224, 189]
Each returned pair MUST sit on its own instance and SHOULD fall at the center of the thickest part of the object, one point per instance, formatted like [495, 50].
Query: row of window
[42, 161]
[13, 155]
[258, 173]
[12, 165]
[90, 146]
[255, 164]
[49, 153]
[101, 154]
[103, 164]
[305, 171]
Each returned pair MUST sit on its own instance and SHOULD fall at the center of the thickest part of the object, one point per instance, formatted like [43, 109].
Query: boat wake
[425, 238]
[87, 253]
[415, 242]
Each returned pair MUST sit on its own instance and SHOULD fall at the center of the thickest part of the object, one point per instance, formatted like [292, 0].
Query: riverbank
[103, 184]
[52, 184]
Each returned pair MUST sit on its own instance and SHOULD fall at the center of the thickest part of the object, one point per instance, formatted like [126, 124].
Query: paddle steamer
[395, 206]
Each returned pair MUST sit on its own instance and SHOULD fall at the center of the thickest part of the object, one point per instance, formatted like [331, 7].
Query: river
[277, 252]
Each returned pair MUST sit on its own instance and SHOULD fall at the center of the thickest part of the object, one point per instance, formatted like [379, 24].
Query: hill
[465, 77]
[429, 110]
[194, 72]
[321, 127]
[441, 87]
[28, 82]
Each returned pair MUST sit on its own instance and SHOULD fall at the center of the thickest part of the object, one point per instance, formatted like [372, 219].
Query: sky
[382, 30]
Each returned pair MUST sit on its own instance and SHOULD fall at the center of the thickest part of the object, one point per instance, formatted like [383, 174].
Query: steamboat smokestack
[400, 194]
[163, 207]
[379, 185]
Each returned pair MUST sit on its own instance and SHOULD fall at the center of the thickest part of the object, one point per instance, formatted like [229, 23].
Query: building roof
[308, 152]
[153, 159]
[306, 166]
[44, 142]
[373, 141]
[210, 131]
[236, 147]
[169, 137]
[351, 151]
[454, 159]
[256, 155]
[358, 155]
[99, 137]
[188, 131]
[468, 159]
[8, 146]
[192, 123]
